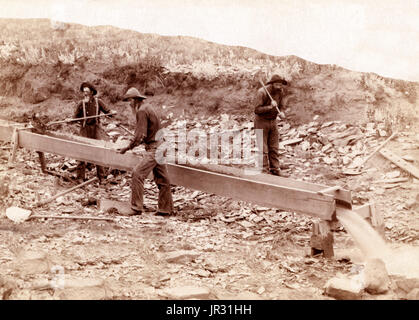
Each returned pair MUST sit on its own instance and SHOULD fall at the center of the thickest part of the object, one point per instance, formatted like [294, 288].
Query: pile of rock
[332, 143]
[372, 281]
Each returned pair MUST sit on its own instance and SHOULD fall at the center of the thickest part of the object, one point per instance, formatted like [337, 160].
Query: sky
[380, 36]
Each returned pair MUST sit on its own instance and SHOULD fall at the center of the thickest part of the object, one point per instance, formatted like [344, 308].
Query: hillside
[43, 63]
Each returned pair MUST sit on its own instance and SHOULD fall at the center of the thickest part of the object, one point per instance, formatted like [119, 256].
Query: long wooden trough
[262, 189]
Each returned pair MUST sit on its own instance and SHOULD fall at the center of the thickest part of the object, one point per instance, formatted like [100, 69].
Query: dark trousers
[270, 145]
[161, 178]
[92, 132]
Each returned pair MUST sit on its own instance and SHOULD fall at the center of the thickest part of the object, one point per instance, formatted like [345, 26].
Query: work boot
[278, 173]
[148, 209]
[165, 214]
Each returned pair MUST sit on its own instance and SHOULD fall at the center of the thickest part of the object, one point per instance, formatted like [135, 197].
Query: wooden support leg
[322, 239]
[42, 162]
[377, 220]
[370, 213]
[15, 145]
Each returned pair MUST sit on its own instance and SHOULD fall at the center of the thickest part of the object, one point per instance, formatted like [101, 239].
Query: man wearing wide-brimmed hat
[147, 126]
[90, 128]
[266, 113]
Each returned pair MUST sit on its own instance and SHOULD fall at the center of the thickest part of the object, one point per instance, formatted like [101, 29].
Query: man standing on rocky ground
[90, 128]
[147, 126]
[266, 112]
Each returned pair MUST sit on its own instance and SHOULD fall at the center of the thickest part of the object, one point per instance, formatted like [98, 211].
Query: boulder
[404, 286]
[113, 206]
[181, 256]
[35, 94]
[413, 295]
[343, 289]
[187, 292]
[82, 289]
[6, 287]
[376, 279]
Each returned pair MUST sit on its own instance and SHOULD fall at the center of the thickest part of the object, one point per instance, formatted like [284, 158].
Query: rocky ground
[215, 247]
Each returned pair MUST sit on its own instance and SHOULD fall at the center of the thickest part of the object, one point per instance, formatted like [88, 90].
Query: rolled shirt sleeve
[261, 103]
[140, 129]
[79, 111]
[103, 107]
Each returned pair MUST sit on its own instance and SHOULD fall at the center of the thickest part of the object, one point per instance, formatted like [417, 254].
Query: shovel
[18, 215]
[356, 171]
[269, 95]
[79, 119]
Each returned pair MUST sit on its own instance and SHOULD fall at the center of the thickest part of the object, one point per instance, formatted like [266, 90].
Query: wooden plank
[128, 161]
[326, 190]
[370, 213]
[80, 151]
[263, 193]
[364, 211]
[400, 162]
[341, 195]
[395, 180]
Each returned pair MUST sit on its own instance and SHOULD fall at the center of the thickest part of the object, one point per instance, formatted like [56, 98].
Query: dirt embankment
[331, 92]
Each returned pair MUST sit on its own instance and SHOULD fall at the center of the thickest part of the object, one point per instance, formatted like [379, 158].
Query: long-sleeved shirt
[92, 109]
[262, 103]
[148, 123]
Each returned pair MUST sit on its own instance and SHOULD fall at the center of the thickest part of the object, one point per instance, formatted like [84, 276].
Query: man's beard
[134, 110]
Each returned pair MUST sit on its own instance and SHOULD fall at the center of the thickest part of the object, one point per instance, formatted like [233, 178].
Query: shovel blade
[17, 214]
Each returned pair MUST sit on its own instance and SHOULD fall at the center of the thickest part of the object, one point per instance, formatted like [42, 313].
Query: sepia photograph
[226, 151]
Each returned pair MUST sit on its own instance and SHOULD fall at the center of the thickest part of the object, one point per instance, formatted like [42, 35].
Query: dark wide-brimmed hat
[88, 85]
[133, 93]
[277, 78]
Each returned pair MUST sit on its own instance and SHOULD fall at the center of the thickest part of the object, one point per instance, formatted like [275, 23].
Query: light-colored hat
[133, 93]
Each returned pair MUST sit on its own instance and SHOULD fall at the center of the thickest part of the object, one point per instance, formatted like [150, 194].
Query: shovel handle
[263, 85]
[125, 129]
[70, 217]
[269, 95]
[84, 118]
[65, 192]
[377, 149]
